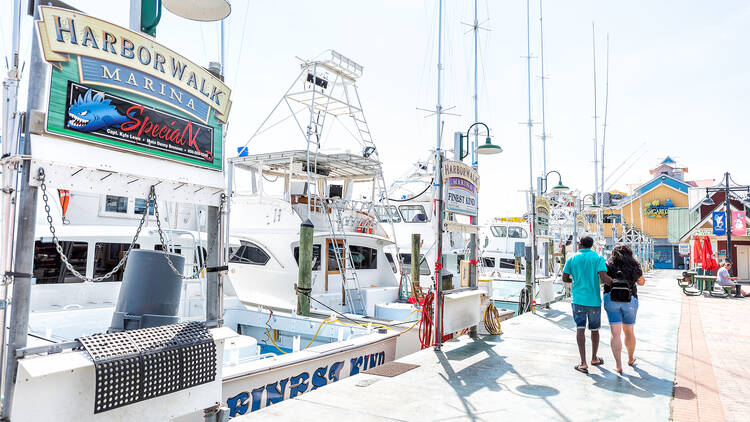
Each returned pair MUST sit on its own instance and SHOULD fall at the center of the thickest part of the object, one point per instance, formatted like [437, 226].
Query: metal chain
[151, 198]
[198, 271]
[58, 247]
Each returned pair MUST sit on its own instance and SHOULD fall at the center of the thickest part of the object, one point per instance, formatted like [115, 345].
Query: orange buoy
[64, 200]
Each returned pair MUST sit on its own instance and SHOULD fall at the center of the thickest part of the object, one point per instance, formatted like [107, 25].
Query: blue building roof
[662, 179]
[668, 160]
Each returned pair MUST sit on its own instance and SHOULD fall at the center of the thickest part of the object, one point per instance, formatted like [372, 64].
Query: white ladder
[352, 290]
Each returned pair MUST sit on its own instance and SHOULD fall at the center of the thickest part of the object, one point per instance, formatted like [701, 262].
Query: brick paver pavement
[712, 381]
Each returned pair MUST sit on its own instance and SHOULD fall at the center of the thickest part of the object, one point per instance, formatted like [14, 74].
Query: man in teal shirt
[587, 269]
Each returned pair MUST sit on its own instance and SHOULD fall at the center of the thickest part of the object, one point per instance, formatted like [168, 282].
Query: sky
[677, 86]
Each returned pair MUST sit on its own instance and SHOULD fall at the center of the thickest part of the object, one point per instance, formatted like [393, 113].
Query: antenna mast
[528, 66]
[596, 141]
[606, 102]
[544, 126]
[438, 106]
[476, 89]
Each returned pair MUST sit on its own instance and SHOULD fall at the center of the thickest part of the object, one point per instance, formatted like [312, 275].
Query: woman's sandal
[601, 361]
[579, 369]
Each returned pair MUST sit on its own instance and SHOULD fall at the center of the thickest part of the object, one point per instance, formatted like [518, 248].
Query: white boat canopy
[325, 166]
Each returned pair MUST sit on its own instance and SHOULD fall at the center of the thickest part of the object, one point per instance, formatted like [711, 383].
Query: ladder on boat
[353, 296]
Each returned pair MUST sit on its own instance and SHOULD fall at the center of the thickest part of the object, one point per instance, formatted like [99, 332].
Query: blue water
[511, 306]
[511, 289]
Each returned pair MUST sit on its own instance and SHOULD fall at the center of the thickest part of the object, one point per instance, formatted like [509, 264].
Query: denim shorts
[593, 313]
[620, 312]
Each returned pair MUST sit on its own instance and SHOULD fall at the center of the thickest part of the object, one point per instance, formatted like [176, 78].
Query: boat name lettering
[305, 381]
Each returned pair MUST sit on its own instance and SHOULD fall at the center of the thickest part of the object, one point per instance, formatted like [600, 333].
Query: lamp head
[199, 10]
[488, 148]
[707, 200]
[560, 187]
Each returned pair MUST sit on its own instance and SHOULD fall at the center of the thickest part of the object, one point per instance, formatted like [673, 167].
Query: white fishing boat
[52, 317]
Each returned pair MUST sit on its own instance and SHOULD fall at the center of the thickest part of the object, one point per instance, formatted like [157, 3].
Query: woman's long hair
[622, 259]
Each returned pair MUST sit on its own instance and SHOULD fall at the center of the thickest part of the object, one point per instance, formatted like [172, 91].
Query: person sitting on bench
[723, 278]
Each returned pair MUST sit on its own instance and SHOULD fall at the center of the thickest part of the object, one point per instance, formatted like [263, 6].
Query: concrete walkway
[526, 373]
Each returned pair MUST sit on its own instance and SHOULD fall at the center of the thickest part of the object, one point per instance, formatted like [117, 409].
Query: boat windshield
[413, 214]
[499, 231]
[517, 233]
[383, 216]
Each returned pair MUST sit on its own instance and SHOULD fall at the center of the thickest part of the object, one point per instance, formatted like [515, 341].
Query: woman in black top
[622, 266]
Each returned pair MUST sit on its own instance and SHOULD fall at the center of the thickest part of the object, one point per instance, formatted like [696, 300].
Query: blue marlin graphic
[90, 113]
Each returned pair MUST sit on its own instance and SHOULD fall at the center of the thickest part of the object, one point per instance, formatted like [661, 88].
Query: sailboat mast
[596, 140]
[544, 126]
[528, 76]
[476, 88]
[438, 106]
[606, 103]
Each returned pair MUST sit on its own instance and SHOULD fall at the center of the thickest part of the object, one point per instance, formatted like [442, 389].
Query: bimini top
[331, 166]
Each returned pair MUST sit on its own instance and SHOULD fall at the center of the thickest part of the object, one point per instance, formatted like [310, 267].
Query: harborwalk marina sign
[461, 188]
[120, 89]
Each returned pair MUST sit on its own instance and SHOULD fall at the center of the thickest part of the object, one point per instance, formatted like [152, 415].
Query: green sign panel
[121, 90]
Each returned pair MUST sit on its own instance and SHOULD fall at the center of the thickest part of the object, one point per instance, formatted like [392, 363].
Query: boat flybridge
[351, 272]
[412, 210]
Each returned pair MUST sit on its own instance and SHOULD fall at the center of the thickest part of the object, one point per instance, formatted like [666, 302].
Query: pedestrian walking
[586, 270]
[621, 301]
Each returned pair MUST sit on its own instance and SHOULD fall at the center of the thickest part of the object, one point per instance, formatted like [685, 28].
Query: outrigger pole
[11, 124]
[532, 199]
[438, 184]
[24, 253]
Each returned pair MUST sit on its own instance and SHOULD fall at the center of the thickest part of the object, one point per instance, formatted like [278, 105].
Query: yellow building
[647, 209]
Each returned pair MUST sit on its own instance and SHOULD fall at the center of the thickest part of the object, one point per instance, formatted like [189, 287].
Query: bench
[711, 287]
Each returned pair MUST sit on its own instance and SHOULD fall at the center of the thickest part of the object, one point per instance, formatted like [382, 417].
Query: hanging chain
[151, 199]
[198, 271]
[58, 247]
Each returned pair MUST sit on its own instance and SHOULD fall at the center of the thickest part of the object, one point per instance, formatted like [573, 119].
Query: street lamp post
[486, 149]
[728, 218]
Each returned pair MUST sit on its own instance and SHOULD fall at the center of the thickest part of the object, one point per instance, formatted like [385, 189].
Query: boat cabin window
[117, 204]
[248, 253]
[392, 263]
[177, 249]
[364, 258]
[413, 213]
[517, 233]
[488, 262]
[316, 256]
[333, 264]
[424, 267]
[510, 263]
[139, 207]
[499, 231]
[383, 217]
[49, 268]
[106, 257]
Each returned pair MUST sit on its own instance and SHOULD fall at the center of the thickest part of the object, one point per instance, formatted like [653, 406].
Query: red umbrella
[697, 251]
[709, 262]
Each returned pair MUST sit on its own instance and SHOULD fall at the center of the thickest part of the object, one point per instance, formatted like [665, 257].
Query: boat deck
[525, 373]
